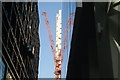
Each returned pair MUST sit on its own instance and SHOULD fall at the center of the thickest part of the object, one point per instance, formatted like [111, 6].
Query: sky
[46, 63]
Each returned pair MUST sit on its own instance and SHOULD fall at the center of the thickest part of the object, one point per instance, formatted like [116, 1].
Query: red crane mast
[52, 45]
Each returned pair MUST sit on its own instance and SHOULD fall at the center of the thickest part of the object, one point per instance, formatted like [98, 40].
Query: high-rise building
[94, 52]
[20, 40]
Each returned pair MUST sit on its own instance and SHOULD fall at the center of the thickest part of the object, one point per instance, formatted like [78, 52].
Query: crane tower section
[58, 32]
[58, 54]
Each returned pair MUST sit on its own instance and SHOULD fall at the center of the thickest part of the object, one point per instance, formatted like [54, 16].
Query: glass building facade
[20, 40]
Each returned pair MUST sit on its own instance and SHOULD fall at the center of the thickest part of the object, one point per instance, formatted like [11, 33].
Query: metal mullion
[17, 47]
[20, 22]
[16, 56]
[8, 66]
[20, 26]
[10, 60]
[29, 61]
[32, 67]
[21, 34]
[19, 53]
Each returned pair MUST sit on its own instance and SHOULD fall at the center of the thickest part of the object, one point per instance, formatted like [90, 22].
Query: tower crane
[58, 58]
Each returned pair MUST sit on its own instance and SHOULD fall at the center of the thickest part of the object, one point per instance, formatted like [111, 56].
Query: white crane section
[58, 32]
[58, 54]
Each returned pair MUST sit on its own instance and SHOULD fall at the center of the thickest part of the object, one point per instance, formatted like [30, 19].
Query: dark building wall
[83, 42]
[93, 52]
[107, 50]
[20, 46]
[103, 42]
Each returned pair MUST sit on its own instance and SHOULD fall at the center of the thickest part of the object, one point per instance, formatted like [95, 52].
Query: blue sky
[46, 63]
